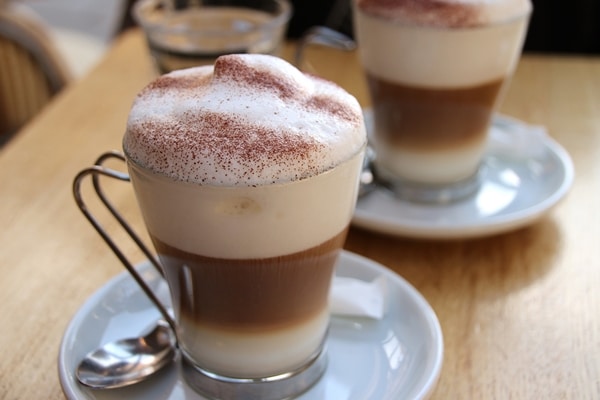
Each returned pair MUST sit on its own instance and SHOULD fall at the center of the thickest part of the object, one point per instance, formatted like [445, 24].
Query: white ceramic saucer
[525, 173]
[397, 357]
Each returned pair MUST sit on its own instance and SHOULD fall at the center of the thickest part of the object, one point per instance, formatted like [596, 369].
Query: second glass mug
[285, 322]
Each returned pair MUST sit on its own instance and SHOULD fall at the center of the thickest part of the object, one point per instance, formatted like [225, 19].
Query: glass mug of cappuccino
[183, 34]
[246, 175]
[436, 71]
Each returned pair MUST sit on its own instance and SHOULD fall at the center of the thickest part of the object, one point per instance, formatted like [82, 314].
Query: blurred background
[83, 29]
[556, 26]
[64, 39]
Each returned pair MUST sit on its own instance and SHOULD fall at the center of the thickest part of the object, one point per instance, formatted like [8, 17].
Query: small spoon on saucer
[128, 361]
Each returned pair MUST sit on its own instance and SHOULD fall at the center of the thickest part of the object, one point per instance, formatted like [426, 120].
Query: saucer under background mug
[525, 174]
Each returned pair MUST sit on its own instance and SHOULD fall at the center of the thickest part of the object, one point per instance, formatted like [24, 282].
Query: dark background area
[556, 26]
[565, 26]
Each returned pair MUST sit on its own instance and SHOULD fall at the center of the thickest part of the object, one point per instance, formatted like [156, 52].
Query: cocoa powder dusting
[254, 148]
[167, 82]
[236, 70]
[218, 126]
[437, 13]
[333, 107]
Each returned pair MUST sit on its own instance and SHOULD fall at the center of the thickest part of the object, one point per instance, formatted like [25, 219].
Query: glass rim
[131, 162]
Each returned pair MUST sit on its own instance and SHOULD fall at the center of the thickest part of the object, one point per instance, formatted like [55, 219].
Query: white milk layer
[429, 167]
[249, 222]
[254, 355]
[438, 57]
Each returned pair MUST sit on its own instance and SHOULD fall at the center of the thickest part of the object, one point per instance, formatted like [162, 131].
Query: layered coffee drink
[436, 70]
[246, 174]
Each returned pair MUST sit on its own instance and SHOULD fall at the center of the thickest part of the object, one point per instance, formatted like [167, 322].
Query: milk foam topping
[422, 43]
[447, 13]
[249, 120]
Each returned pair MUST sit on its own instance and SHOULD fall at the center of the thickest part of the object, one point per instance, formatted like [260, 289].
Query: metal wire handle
[324, 36]
[96, 171]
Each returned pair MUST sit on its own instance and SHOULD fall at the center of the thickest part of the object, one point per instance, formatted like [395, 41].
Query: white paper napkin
[513, 137]
[357, 298]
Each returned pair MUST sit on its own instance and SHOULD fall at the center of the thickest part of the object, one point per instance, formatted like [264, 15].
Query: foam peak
[250, 120]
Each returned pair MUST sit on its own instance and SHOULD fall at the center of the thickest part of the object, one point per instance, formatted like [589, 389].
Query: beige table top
[520, 311]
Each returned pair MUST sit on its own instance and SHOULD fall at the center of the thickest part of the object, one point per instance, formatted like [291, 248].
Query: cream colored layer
[249, 222]
[437, 57]
[253, 355]
[439, 167]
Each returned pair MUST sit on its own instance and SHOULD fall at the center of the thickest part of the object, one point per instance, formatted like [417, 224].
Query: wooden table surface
[520, 312]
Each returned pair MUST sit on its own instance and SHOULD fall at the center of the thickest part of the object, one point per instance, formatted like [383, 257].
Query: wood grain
[520, 311]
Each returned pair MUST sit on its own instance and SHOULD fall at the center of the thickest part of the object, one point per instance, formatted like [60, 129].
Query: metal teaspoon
[127, 361]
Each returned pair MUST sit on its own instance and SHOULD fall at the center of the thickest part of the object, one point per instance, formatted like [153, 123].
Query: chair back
[31, 69]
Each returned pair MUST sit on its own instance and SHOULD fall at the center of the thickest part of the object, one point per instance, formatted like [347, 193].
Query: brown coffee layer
[253, 294]
[425, 119]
